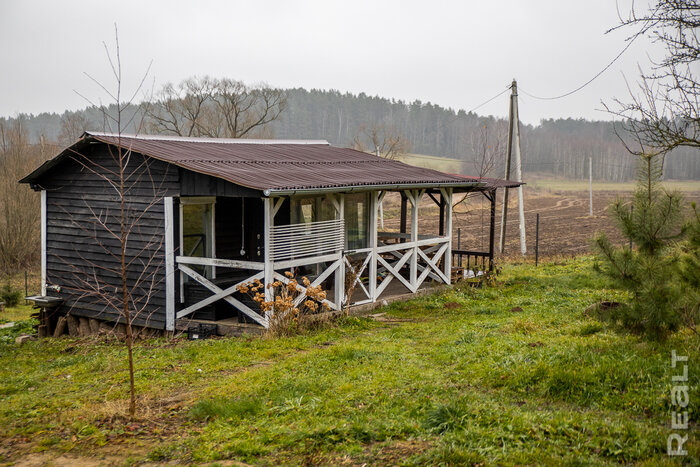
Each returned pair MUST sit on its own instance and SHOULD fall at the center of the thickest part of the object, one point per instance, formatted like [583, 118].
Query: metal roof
[488, 182]
[274, 166]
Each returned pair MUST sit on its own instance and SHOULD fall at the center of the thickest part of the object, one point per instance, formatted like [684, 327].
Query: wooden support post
[414, 237]
[446, 203]
[212, 226]
[373, 244]
[181, 213]
[404, 213]
[340, 272]
[268, 222]
[492, 231]
[441, 228]
[169, 264]
[43, 242]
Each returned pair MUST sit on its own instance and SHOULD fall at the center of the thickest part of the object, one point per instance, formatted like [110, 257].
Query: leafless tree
[383, 139]
[73, 125]
[663, 113]
[136, 264]
[215, 108]
[18, 221]
[487, 149]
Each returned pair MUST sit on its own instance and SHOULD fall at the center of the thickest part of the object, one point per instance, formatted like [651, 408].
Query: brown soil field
[565, 227]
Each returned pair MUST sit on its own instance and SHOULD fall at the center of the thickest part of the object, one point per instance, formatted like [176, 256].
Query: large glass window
[356, 220]
[198, 230]
[312, 209]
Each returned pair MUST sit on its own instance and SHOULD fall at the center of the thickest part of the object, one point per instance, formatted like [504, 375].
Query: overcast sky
[453, 53]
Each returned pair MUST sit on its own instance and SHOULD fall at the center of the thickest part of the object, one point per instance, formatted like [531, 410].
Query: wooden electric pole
[590, 187]
[513, 131]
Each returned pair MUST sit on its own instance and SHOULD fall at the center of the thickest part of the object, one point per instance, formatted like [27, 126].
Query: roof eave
[276, 192]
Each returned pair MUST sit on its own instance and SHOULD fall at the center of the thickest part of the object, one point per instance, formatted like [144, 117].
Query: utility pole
[514, 130]
[590, 186]
[509, 151]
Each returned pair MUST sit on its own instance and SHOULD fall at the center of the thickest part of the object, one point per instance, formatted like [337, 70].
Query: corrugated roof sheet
[274, 165]
[488, 182]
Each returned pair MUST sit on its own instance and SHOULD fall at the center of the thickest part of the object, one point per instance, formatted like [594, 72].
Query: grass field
[511, 375]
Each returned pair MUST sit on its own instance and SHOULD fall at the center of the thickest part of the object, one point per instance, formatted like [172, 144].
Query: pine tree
[651, 272]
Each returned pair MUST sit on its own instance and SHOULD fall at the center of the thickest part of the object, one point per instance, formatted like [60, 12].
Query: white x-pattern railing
[424, 257]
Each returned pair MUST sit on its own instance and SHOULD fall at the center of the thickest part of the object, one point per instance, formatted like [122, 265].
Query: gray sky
[453, 53]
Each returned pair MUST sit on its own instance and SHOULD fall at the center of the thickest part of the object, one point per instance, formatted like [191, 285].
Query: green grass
[459, 384]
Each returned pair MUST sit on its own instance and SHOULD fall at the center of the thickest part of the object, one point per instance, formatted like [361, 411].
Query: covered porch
[335, 239]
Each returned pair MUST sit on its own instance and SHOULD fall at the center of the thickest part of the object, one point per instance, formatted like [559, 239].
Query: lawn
[514, 374]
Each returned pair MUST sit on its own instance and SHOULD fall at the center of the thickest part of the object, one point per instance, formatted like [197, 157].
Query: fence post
[459, 244]
[26, 288]
[537, 240]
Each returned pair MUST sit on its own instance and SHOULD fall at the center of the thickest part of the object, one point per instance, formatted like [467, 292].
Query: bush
[10, 296]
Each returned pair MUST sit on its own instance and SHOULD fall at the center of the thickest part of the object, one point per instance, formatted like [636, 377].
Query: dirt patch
[396, 452]
[383, 318]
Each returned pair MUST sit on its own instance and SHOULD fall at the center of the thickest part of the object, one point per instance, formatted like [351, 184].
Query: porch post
[43, 242]
[269, 221]
[404, 212]
[441, 228]
[340, 272]
[414, 237]
[447, 201]
[493, 228]
[169, 264]
[373, 201]
[181, 249]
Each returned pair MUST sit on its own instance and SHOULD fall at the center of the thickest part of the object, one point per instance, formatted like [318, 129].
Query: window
[197, 235]
[356, 220]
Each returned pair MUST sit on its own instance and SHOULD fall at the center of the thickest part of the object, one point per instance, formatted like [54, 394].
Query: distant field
[581, 185]
[447, 164]
[444, 164]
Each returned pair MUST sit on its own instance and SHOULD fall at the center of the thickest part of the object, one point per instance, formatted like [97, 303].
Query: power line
[494, 97]
[584, 84]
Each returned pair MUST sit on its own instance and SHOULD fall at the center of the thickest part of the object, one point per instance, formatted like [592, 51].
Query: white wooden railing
[304, 240]
[422, 258]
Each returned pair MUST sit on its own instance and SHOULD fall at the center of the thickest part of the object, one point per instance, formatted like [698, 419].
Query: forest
[558, 147]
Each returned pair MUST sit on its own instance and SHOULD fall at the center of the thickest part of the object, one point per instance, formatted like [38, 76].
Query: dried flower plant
[286, 306]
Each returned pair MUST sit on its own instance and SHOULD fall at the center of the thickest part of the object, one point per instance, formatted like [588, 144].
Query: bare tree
[487, 149]
[136, 264]
[73, 125]
[215, 108]
[383, 139]
[488, 146]
[664, 112]
[18, 221]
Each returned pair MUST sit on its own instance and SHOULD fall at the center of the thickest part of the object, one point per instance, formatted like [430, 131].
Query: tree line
[558, 147]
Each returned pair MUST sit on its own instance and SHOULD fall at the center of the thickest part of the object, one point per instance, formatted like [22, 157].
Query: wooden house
[206, 215]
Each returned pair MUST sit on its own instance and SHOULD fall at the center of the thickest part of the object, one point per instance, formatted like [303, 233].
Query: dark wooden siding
[83, 256]
[196, 184]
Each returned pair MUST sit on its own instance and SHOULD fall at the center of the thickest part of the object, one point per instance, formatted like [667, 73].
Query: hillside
[556, 147]
[515, 374]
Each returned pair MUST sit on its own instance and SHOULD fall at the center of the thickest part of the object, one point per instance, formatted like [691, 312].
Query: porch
[334, 239]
